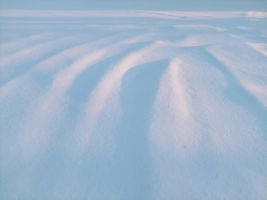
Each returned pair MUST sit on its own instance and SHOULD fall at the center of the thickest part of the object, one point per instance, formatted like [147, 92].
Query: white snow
[158, 105]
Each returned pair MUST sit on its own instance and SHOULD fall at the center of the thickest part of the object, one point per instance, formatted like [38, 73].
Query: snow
[130, 105]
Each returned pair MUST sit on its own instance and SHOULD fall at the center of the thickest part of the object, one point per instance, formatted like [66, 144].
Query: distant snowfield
[129, 105]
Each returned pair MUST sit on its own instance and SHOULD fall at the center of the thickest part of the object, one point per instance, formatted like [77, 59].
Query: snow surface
[129, 105]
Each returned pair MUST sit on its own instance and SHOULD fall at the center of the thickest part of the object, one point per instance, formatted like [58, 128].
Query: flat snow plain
[133, 105]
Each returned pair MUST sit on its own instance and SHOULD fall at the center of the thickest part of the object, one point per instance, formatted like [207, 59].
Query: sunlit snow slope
[133, 105]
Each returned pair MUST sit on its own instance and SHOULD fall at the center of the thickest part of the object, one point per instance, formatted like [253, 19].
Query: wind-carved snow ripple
[133, 105]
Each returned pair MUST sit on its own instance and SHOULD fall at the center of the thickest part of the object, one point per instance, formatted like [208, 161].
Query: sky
[135, 4]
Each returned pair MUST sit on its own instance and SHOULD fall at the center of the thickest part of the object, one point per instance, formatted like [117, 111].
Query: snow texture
[133, 105]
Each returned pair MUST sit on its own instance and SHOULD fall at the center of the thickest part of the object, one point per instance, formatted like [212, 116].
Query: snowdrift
[133, 105]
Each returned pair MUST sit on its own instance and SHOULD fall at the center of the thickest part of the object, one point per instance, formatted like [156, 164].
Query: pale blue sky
[136, 4]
